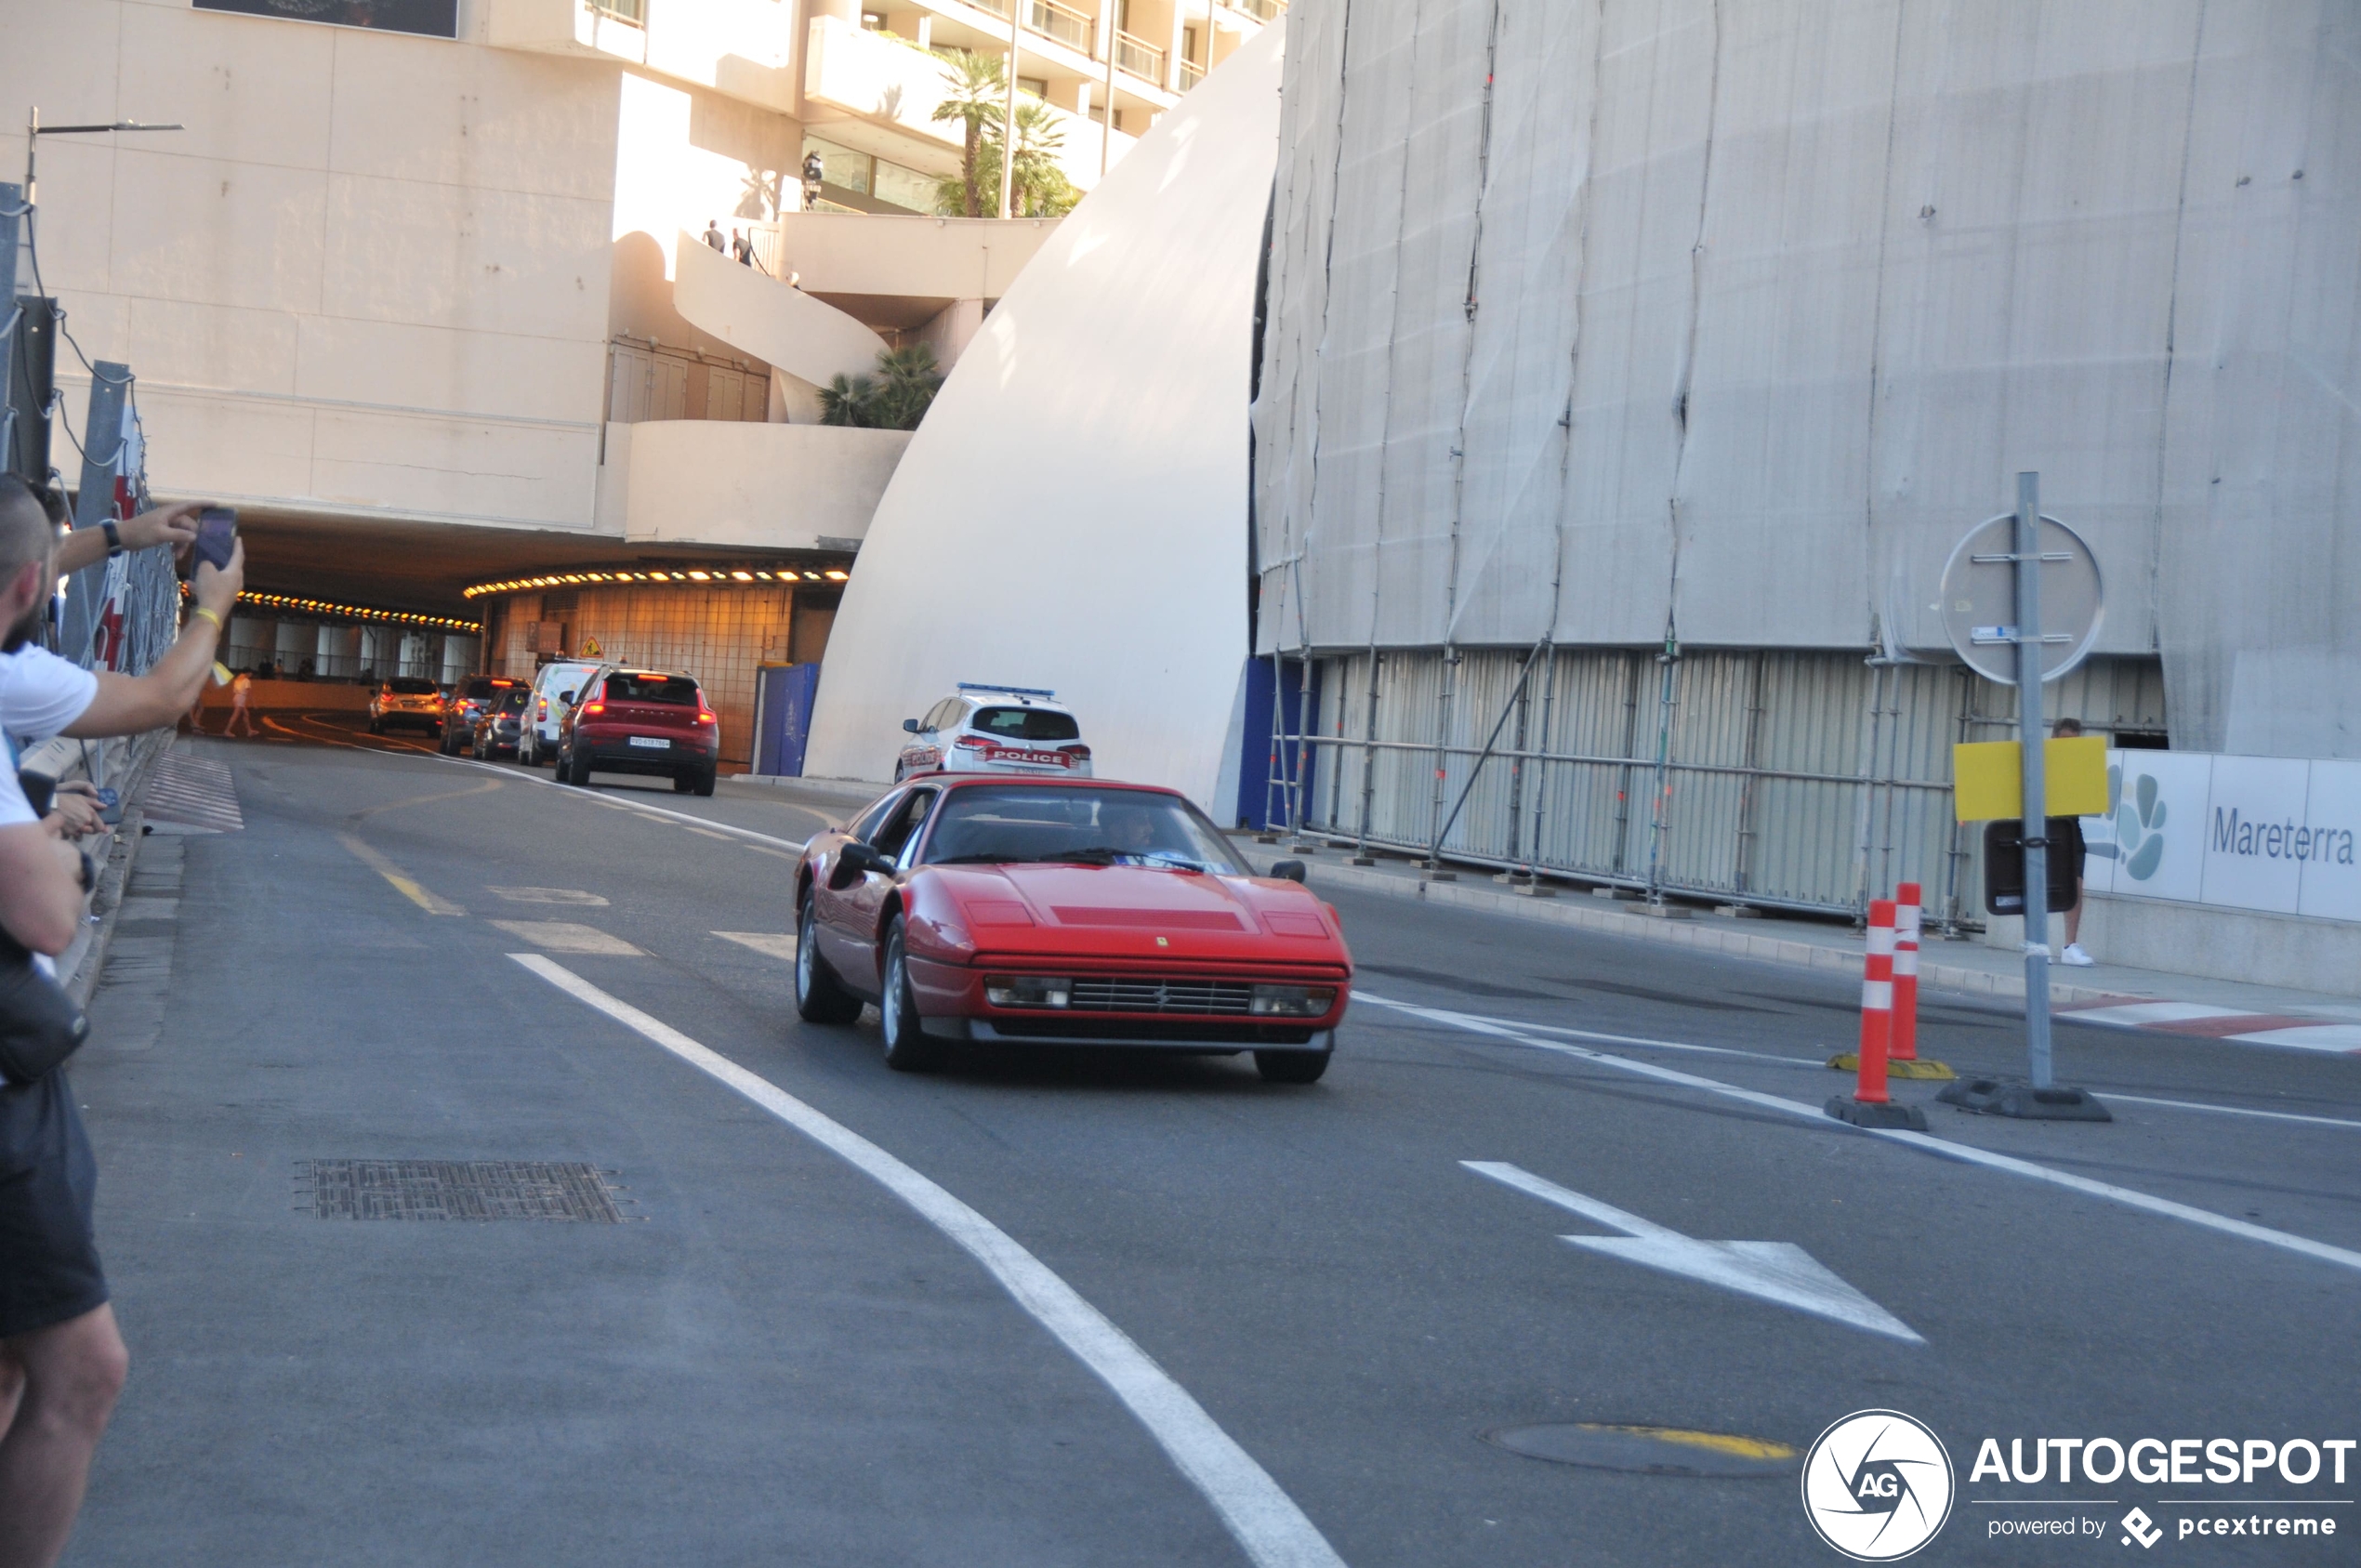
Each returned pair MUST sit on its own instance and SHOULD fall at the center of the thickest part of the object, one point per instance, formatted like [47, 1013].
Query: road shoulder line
[1263, 1519]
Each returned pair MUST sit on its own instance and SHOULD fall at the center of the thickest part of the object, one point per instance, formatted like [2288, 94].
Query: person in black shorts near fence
[2065, 839]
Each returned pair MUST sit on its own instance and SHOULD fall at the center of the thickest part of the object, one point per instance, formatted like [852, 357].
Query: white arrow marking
[1777, 1272]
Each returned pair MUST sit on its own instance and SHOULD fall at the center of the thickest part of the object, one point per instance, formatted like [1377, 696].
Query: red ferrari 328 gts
[1049, 911]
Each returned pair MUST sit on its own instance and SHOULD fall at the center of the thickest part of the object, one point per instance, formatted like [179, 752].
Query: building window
[904, 188]
[841, 166]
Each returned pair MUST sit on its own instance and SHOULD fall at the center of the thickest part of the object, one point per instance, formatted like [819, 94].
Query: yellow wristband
[209, 614]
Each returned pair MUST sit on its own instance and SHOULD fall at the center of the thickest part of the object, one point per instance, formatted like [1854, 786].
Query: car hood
[1121, 910]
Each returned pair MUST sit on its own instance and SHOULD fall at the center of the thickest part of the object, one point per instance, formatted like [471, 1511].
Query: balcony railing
[632, 11]
[1261, 10]
[1139, 58]
[1191, 74]
[1050, 19]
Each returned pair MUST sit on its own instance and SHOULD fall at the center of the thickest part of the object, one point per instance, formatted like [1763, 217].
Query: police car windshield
[1026, 724]
[1009, 825]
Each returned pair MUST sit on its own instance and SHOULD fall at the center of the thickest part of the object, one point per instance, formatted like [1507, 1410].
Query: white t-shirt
[40, 693]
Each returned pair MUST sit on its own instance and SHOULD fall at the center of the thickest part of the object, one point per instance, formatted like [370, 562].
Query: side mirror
[566, 697]
[911, 725]
[855, 860]
[1291, 870]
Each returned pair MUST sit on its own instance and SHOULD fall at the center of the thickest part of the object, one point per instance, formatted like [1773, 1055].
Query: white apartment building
[417, 286]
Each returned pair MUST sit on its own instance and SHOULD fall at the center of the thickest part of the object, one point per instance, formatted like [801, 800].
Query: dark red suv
[640, 721]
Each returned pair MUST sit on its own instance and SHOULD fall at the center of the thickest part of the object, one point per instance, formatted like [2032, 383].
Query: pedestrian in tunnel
[62, 1360]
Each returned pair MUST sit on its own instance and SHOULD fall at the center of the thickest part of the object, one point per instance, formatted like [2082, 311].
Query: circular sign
[1877, 1485]
[1979, 602]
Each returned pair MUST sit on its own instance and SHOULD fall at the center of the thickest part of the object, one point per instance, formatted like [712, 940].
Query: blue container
[782, 697]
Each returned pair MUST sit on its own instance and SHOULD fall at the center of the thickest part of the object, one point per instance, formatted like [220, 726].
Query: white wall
[369, 276]
[774, 486]
[1072, 513]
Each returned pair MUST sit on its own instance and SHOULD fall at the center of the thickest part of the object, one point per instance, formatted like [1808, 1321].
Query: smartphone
[111, 807]
[217, 534]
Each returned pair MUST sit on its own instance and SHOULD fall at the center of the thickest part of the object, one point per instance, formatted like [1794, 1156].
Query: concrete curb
[1706, 938]
[836, 792]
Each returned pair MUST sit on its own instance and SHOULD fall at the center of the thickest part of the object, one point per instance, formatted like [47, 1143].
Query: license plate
[1030, 759]
[652, 742]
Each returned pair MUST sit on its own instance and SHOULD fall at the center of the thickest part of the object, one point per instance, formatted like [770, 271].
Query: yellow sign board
[1987, 779]
[591, 648]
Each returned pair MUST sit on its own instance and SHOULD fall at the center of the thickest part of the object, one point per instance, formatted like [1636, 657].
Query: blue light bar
[1012, 691]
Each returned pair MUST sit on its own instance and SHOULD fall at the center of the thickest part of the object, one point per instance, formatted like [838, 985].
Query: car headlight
[1027, 991]
[1293, 1001]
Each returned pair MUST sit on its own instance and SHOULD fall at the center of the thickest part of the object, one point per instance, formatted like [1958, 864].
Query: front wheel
[908, 1048]
[818, 996]
[1291, 1067]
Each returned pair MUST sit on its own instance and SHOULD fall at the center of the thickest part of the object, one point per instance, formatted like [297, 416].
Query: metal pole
[95, 503]
[1657, 823]
[13, 209]
[1114, 41]
[2030, 735]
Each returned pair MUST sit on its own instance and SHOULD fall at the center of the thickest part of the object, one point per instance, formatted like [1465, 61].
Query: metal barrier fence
[1800, 779]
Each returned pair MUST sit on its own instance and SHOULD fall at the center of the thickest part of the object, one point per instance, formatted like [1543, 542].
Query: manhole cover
[1647, 1450]
[455, 1189]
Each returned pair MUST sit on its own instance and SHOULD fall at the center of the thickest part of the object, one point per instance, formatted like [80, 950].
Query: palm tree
[1042, 188]
[848, 400]
[977, 85]
[908, 380]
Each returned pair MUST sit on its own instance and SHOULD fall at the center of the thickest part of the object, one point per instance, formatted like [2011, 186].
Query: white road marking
[1263, 1519]
[580, 793]
[1924, 1142]
[564, 936]
[2343, 1037]
[2134, 1014]
[549, 895]
[1779, 1272]
[2238, 1111]
[778, 944]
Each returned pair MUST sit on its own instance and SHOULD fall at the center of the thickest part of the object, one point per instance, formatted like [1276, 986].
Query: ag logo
[1877, 1485]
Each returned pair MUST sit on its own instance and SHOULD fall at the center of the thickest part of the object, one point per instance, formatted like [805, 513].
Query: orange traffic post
[1869, 1105]
[1905, 1062]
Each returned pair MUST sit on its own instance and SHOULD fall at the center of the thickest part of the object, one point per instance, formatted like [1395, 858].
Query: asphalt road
[776, 1360]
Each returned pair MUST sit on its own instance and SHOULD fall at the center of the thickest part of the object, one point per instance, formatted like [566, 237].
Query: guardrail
[1051, 19]
[1138, 57]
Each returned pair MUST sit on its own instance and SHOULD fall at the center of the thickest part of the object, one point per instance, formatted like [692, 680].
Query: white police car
[981, 728]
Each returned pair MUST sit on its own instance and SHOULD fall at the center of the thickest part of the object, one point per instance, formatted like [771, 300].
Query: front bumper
[952, 1006]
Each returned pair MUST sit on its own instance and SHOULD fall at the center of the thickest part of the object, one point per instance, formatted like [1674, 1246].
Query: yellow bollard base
[1919, 1067]
[1849, 1063]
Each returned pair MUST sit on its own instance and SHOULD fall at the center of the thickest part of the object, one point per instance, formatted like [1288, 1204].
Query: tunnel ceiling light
[700, 577]
[835, 576]
[742, 577]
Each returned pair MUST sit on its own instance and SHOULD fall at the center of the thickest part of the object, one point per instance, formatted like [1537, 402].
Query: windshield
[411, 686]
[677, 688]
[514, 700]
[1026, 724]
[1007, 825]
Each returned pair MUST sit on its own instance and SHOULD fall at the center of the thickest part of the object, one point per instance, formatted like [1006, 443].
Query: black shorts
[49, 1271]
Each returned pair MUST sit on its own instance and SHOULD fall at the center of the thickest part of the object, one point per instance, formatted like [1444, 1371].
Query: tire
[580, 766]
[819, 998]
[908, 1048]
[1291, 1067]
[705, 782]
[683, 782]
[377, 725]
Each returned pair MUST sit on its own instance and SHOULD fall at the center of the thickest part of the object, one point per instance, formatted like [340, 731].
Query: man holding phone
[42, 694]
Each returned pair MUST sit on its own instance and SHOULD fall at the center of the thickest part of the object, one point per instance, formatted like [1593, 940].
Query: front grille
[1120, 993]
[1050, 1030]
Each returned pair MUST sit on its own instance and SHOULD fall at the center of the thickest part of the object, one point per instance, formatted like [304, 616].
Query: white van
[555, 685]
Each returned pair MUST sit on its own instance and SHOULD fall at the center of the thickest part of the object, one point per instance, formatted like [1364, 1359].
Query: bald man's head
[27, 539]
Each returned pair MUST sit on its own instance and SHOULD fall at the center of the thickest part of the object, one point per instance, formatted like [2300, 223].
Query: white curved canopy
[1073, 512]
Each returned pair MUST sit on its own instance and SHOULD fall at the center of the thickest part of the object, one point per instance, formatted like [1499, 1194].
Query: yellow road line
[406, 885]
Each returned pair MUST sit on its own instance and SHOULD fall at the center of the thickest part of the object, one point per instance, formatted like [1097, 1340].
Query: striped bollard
[1905, 972]
[1869, 1105]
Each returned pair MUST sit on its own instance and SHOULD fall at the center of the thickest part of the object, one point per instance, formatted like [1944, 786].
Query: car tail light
[1079, 752]
[1029, 991]
[545, 708]
[705, 715]
[594, 707]
[973, 743]
[1292, 1001]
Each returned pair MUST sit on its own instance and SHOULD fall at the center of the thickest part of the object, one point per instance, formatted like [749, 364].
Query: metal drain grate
[455, 1189]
